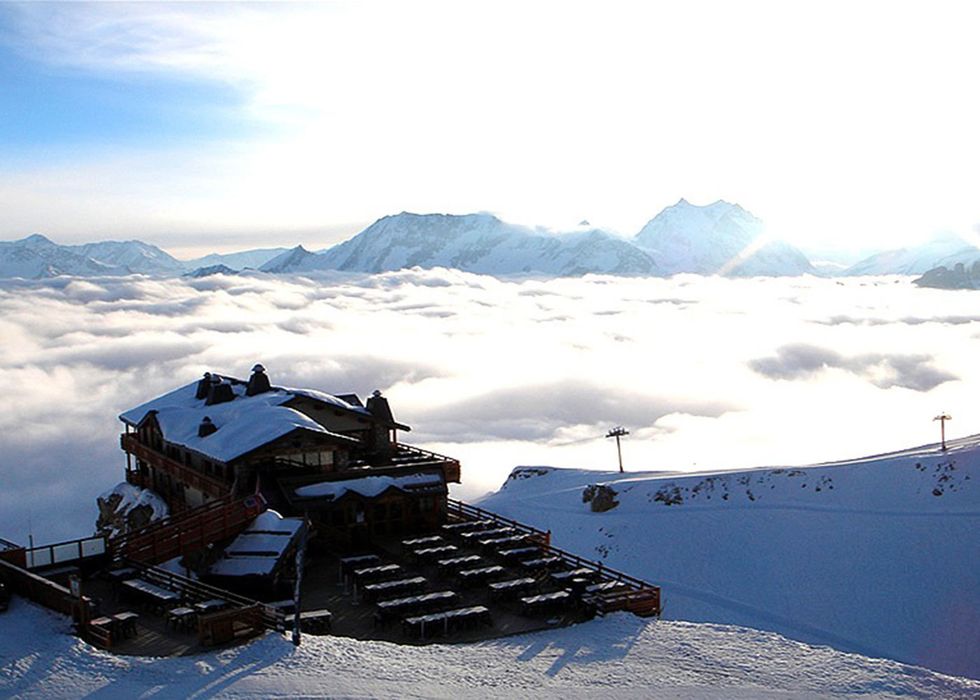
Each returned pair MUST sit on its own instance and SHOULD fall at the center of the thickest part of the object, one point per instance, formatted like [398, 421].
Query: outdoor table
[125, 622]
[389, 609]
[498, 542]
[562, 577]
[606, 587]
[210, 606]
[540, 563]
[315, 621]
[467, 525]
[432, 553]
[450, 619]
[486, 534]
[479, 575]
[544, 602]
[518, 552]
[104, 623]
[422, 541]
[117, 576]
[415, 584]
[447, 566]
[502, 589]
[359, 561]
[376, 573]
[159, 597]
[181, 617]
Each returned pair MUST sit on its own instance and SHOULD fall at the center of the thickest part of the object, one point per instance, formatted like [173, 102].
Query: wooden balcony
[181, 473]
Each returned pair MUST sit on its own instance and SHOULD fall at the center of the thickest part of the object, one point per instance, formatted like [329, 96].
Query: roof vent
[258, 383]
[206, 427]
[202, 386]
[220, 392]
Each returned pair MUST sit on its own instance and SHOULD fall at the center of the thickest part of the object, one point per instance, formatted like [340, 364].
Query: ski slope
[620, 656]
[879, 556]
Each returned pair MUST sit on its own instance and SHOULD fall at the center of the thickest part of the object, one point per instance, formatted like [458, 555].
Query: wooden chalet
[307, 453]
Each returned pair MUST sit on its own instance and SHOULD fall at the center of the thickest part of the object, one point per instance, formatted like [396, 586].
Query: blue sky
[223, 125]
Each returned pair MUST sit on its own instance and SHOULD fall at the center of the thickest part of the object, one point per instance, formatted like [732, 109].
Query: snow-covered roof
[371, 486]
[243, 424]
[258, 549]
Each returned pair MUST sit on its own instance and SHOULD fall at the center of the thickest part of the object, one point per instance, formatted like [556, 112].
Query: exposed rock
[601, 497]
[126, 508]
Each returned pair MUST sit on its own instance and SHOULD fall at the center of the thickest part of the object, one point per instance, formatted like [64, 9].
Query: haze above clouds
[197, 126]
[706, 373]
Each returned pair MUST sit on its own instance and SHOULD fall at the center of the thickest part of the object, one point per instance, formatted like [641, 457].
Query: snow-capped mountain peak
[720, 237]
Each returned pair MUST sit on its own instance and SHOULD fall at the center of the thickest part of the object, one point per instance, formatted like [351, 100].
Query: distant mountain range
[719, 238]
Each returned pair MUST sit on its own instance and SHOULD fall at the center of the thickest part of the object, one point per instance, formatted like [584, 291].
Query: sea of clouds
[706, 373]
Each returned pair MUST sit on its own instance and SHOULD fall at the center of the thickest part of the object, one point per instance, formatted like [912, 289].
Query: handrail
[199, 591]
[466, 511]
[192, 477]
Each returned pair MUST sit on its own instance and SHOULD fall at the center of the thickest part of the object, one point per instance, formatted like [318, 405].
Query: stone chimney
[219, 392]
[258, 383]
[203, 386]
[206, 427]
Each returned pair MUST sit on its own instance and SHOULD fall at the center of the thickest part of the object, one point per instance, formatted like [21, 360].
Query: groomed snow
[878, 555]
[620, 656]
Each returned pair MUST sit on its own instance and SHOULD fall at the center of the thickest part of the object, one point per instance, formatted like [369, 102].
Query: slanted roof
[244, 424]
[257, 551]
[372, 486]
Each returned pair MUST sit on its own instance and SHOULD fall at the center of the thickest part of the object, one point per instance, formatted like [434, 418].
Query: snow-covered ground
[620, 656]
[879, 556]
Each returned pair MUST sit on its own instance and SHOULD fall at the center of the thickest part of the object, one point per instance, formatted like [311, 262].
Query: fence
[640, 597]
[37, 588]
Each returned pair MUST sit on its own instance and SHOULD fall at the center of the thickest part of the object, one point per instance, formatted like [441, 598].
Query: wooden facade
[334, 441]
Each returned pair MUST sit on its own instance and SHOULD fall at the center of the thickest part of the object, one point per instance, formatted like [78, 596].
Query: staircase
[188, 531]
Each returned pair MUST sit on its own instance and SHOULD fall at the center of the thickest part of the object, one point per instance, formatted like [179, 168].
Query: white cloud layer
[706, 373]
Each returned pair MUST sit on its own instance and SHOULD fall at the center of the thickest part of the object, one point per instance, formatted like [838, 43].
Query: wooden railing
[37, 588]
[196, 591]
[189, 531]
[636, 595]
[180, 472]
[450, 466]
[464, 511]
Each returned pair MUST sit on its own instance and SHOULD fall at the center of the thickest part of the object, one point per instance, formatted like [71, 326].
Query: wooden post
[617, 433]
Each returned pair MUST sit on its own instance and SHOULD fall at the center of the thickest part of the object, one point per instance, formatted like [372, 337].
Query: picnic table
[467, 526]
[372, 574]
[498, 542]
[504, 589]
[449, 566]
[158, 597]
[477, 535]
[315, 621]
[472, 576]
[541, 563]
[426, 602]
[447, 621]
[125, 623]
[433, 553]
[584, 573]
[210, 606]
[518, 553]
[357, 561]
[416, 584]
[182, 618]
[422, 541]
[545, 602]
